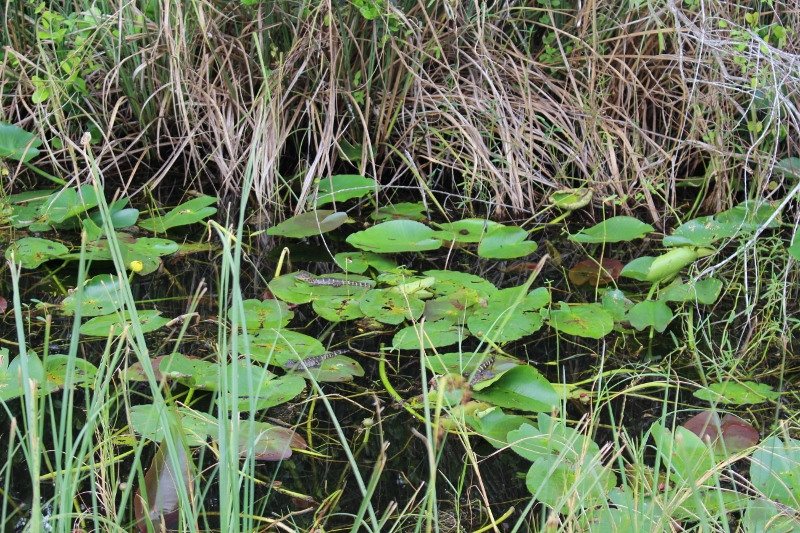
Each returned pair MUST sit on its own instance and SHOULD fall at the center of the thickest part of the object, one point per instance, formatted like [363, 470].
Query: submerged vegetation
[396, 266]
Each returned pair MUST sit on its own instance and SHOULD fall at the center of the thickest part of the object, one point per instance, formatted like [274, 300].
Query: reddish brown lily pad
[594, 272]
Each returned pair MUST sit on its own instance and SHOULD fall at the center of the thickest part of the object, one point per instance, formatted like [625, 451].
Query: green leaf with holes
[338, 308]
[469, 230]
[102, 295]
[33, 251]
[309, 224]
[391, 307]
[267, 314]
[396, 236]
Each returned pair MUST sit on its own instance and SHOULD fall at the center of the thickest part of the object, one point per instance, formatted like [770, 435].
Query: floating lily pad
[590, 321]
[101, 326]
[58, 366]
[268, 442]
[571, 199]
[309, 224]
[617, 304]
[551, 479]
[343, 187]
[65, 204]
[120, 217]
[775, 469]
[33, 251]
[279, 345]
[750, 215]
[705, 292]
[401, 211]
[595, 273]
[18, 144]
[651, 313]
[147, 251]
[391, 307]
[469, 230]
[187, 213]
[450, 281]
[507, 242]
[102, 295]
[338, 308]
[359, 262]
[11, 377]
[501, 321]
[522, 388]
[494, 425]
[267, 314]
[616, 229]
[702, 231]
[396, 236]
[551, 437]
[454, 308]
[467, 362]
[336, 369]
[687, 455]
[737, 393]
[433, 335]
[289, 290]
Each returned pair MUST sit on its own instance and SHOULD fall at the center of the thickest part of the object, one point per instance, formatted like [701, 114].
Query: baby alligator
[482, 373]
[330, 282]
[311, 362]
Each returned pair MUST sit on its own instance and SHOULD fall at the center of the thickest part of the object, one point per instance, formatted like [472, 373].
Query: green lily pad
[617, 304]
[120, 216]
[705, 292]
[775, 469]
[359, 262]
[571, 199]
[33, 251]
[102, 295]
[522, 388]
[434, 335]
[67, 203]
[18, 144]
[187, 213]
[552, 479]
[266, 314]
[501, 322]
[590, 321]
[737, 393]
[342, 188]
[650, 313]
[401, 211]
[146, 250]
[467, 363]
[687, 455]
[450, 281]
[750, 215]
[11, 377]
[454, 308]
[101, 325]
[494, 425]
[279, 345]
[551, 437]
[58, 366]
[616, 229]
[507, 242]
[469, 230]
[391, 307]
[289, 290]
[702, 231]
[396, 236]
[309, 224]
[338, 308]
[336, 369]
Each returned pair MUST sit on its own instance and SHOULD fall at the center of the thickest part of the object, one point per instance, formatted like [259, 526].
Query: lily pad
[33, 251]
[705, 292]
[336, 369]
[400, 211]
[289, 290]
[58, 366]
[396, 236]
[187, 213]
[433, 335]
[469, 230]
[507, 242]
[309, 224]
[702, 231]
[775, 469]
[552, 479]
[494, 425]
[147, 251]
[617, 304]
[342, 188]
[500, 321]
[279, 345]
[551, 437]
[737, 393]
[467, 363]
[267, 314]
[18, 144]
[102, 295]
[338, 308]
[391, 307]
[522, 388]
[616, 229]
[101, 326]
[650, 313]
[450, 281]
[590, 321]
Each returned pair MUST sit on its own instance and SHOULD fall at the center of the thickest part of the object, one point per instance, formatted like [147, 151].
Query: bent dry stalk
[329, 282]
[312, 362]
